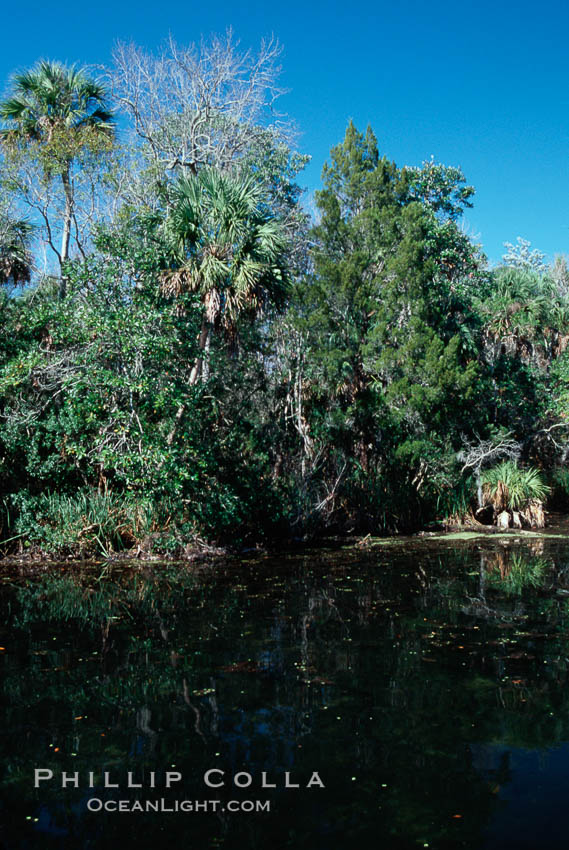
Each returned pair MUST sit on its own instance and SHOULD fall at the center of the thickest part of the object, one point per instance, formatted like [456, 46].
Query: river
[419, 689]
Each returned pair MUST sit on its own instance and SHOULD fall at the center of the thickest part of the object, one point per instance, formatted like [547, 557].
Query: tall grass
[455, 504]
[87, 522]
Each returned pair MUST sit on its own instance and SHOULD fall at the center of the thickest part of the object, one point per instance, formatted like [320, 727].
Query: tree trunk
[479, 496]
[503, 520]
[198, 369]
[66, 236]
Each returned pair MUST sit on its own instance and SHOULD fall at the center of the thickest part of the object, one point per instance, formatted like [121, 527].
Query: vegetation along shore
[191, 360]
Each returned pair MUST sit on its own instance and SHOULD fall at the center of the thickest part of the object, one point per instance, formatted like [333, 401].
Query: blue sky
[483, 85]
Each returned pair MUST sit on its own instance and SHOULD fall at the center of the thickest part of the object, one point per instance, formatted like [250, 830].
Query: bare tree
[475, 456]
[39, 198]
[199, 105]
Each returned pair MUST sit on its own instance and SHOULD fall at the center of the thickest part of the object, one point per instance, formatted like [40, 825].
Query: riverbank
[200, 552]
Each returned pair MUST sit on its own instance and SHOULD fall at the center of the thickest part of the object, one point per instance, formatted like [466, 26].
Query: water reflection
[412, 681]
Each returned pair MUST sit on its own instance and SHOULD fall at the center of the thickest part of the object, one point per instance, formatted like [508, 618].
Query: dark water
[428, 687]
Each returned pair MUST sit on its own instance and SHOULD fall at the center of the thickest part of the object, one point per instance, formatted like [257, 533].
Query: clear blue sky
[483, 85]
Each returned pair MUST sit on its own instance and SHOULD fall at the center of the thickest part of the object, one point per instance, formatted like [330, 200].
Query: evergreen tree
[387, 379]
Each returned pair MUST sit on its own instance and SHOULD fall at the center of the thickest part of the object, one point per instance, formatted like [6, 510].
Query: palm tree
[62, 110]
[522, 311]
[227, 247]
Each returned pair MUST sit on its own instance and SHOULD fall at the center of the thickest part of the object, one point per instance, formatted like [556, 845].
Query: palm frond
[219, 228]
[52, 95]
[508, 487]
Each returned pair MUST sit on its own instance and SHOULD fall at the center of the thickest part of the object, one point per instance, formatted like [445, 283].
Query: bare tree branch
[195, 106]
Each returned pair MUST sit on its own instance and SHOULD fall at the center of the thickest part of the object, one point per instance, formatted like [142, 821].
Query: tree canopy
[204, 363]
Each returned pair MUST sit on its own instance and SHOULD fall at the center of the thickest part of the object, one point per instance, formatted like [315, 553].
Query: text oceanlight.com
[95, 804]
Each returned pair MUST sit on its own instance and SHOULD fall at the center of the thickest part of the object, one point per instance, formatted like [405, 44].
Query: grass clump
[85, 523]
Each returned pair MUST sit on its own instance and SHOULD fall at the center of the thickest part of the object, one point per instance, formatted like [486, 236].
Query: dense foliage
[197, 363]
